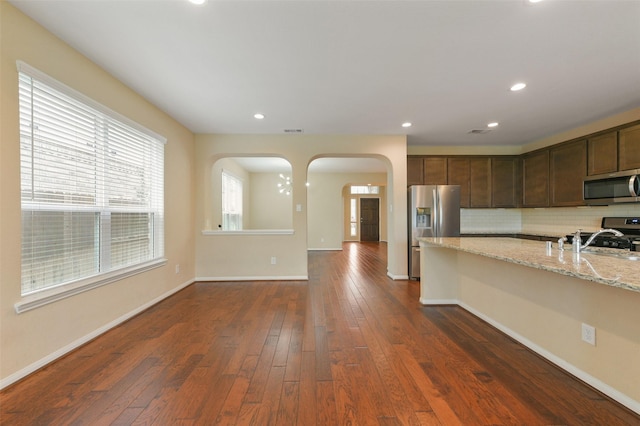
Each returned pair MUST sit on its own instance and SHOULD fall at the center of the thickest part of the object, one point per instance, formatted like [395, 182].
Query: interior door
[369, 219]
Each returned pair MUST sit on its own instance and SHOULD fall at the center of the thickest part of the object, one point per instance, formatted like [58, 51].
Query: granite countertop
[599, 268]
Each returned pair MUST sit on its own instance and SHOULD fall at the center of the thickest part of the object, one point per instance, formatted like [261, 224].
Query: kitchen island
[542, 298]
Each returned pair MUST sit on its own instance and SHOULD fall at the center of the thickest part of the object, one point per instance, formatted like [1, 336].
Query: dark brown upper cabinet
[435, 171]
[415, 171]
[629, 148]
[480, 182]
[535, 179]
[602, 153]
[505, 182]
[568, 168]
[458, 174]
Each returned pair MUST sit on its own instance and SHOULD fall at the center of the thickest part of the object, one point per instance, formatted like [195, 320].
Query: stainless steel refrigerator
[434, 211]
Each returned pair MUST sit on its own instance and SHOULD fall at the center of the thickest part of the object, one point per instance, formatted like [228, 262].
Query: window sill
[42, 298]
[250, 232]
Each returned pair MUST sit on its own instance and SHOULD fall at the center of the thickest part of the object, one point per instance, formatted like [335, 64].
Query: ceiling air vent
[293, 131]
[479, 131]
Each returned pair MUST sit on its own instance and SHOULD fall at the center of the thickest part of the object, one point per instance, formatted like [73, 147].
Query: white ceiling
[365, 67]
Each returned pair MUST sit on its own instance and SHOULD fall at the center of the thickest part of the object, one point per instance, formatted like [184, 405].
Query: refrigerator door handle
[440, 217]
[435, 217]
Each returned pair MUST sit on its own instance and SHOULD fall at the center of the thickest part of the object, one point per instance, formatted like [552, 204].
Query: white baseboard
[324, 249]
[397, 277]
[439, 302]
[566, 366]
[85, 339]
[260, 278]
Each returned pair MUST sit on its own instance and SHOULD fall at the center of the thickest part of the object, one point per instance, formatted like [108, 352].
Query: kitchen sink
[626, 255]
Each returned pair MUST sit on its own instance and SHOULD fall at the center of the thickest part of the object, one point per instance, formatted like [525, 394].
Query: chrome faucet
[577, 240]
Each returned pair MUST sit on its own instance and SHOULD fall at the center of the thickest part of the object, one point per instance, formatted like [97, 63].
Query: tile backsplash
[556, 221]
[490, 221]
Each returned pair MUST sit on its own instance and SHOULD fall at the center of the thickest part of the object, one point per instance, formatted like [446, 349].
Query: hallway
[351, 346]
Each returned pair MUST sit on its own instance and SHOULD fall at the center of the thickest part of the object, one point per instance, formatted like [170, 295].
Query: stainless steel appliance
[629, 226]
[620, 187]
[434, 211]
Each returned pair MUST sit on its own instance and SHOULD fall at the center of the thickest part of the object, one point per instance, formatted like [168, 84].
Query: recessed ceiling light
[535, 1]
[518, 86]
[406, 124]
[494, 124]
[258, 116]
[198, 2]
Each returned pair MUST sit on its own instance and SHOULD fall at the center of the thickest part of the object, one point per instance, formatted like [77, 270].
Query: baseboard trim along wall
[571, 369]
[18, 375]
[436, 302]
[397, 277]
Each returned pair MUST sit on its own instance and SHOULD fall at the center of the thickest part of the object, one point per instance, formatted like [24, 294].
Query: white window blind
[231, 202]
[92, 185]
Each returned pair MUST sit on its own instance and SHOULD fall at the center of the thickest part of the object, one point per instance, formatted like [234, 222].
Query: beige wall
[547, 309]
[269, 208]
[32, 338]
[328, 208]
[221, 256]
[544, 311]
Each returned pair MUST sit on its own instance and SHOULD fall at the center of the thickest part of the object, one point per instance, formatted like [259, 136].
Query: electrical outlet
[589, 334]
[178, 268]
[273, 260]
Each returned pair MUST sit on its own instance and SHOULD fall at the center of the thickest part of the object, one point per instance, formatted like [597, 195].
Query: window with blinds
[92, 185]
[231, 202]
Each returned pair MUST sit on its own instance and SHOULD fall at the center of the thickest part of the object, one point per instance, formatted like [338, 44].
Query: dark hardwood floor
[350, 346]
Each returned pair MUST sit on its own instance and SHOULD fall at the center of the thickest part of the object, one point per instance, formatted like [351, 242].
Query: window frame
[103, 214]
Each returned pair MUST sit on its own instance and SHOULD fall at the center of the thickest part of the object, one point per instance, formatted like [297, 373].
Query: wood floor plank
[322, 358]
[307, 399]
[349, 346]
[440, 406]
[289, 403]
[230, 409]
[326, 405]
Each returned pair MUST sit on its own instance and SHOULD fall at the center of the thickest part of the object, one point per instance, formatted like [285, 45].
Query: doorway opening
[364, 221]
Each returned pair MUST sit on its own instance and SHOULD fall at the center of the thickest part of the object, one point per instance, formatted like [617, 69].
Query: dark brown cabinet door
[369, 219]
[568, 168]
[602, 153]
[480, 182]
[458, 174]
[629, 148]
[535, 176]
[435, 171]
[505, 183]
[415, 171]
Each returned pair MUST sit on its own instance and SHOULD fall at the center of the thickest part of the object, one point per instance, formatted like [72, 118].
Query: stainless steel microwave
[620, 187]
